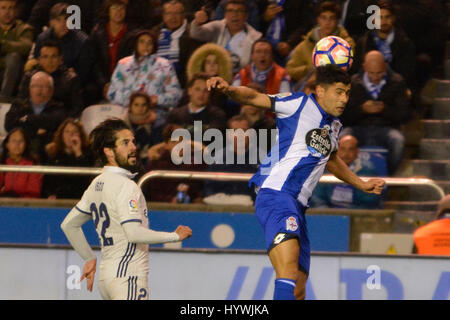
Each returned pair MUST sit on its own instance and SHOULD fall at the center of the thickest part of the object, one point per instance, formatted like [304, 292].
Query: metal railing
[199, 175]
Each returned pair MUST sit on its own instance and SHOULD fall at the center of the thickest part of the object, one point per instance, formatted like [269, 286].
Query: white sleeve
[138, 234]
[71, 227]
[286, 104]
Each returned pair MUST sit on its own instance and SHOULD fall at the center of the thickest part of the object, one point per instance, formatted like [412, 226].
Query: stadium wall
[184, 274]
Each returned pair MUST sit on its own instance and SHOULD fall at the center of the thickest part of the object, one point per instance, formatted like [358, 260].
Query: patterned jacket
[154, 76]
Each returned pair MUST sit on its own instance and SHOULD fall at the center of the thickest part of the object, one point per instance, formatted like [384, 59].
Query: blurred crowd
[60, 65]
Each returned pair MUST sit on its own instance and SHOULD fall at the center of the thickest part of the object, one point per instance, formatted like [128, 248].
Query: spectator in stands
[16, 151]
[239, 156]
[300, 65]
[111, 41]
[198, 108]
[377, 107]
[233, 33]
[284, 23]
[66, 82]
[434, 237]
[39, 15]
[263, 70]
[140, 117]
[344, 195]
[16, 40]
[145, 71]
[167, 156]
[69, 148]
[175, 43]
[213, 60]
[39, 115]
[253, 17]
[398, 50]
[76, 49]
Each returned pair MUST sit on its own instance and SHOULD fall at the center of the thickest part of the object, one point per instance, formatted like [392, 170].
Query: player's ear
[320, 91]
[108, 152]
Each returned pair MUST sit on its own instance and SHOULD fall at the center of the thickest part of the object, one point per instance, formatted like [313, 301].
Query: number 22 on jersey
[100, 215]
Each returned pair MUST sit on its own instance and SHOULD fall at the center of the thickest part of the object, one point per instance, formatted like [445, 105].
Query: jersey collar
[119, 170]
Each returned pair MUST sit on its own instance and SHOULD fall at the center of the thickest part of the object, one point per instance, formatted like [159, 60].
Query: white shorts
[126, 288]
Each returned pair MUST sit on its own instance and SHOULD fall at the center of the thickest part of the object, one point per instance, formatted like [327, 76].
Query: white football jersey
[113, 199]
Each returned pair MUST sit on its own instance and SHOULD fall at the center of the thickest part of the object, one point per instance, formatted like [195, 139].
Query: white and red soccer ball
[333, 50]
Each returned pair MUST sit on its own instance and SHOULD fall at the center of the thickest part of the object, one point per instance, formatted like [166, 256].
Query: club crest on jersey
[133, 204]
[318, 142]
[291, 224]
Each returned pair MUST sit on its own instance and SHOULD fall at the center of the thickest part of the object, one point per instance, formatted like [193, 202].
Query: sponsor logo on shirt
[318, 142]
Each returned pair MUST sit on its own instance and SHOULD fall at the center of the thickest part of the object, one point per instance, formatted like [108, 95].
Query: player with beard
[118, 207]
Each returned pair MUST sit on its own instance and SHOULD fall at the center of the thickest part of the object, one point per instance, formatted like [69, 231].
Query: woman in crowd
[145, 71]
[69, 148]
[213, 60]
[111, 41]
[16, 151]
[140, 117]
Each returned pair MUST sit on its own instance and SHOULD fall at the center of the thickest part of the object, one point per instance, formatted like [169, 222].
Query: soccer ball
[333, 50]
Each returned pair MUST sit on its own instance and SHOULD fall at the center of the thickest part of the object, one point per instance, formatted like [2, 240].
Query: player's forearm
[71, 227]
[138, 234]
[248, 96]
[340, 170]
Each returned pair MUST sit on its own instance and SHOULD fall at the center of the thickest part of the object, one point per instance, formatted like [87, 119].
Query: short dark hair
[197, 76]
[104, 136]
[59, 9]
[329, 6]
[386, 5]
[141, 94]
[263, 40]
[331, 73]
[237, 2]
[51, 44]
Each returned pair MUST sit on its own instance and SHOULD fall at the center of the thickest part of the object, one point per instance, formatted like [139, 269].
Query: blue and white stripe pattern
[123, 265]
[292, 166]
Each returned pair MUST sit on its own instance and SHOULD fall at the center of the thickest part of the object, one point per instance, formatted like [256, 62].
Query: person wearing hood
[300, 65]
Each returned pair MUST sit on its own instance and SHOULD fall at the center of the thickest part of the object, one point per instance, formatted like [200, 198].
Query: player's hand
[374, 186]
[217, 83]
[183, 232]
[89, 273]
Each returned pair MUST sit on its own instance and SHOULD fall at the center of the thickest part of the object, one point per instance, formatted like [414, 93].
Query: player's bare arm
[341, 171]
[240, 94]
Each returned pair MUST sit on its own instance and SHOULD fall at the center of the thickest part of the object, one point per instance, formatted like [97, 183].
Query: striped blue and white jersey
[306, 137]
[113, 199]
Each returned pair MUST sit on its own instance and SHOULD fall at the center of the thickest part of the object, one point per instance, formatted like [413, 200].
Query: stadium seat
[93, 115]
[376, 155]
